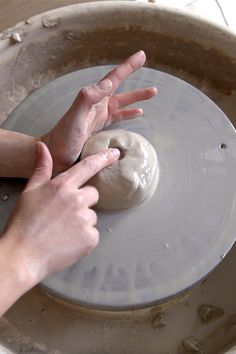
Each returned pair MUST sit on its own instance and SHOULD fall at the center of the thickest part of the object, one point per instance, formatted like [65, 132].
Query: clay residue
[193, 345]
[15, 36]
[173, 54]
[50, 21]
[219, 340]
[208, 313]
[28, 21]
[10, 99]
[14, 339]
[68, 49]
[222, 338]
[157, 321]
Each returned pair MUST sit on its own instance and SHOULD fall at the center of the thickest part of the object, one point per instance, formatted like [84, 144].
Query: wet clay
[130, 180]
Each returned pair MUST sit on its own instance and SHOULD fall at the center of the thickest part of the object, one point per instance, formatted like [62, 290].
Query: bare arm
[14, 276]
[17, 154]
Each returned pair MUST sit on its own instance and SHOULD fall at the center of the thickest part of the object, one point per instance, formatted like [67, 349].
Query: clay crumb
[71, 36]
[208, 313]
[193, 345]
[15, 38]
[50, 21]
[157, 321]
[4, 197]
[28, 21]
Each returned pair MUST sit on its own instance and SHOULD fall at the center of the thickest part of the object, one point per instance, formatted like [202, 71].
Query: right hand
[94, 108]
[53, 225]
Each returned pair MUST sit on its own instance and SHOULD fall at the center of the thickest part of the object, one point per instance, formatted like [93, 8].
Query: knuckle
[90, 194]
[80, 198]
[58, 186]
[93, 193]
[93, 190]
[132, 67]
[87, 217]
[62, 190]
[94, 217]
[83, 217]
[93, 238]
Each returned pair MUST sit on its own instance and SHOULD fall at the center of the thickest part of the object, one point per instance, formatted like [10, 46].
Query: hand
[94, 108]
[53, 224]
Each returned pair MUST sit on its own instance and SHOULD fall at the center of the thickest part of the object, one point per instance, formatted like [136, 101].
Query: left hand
[94, 108]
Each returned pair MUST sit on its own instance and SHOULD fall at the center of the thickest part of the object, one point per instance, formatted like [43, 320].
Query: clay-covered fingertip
[115, 152]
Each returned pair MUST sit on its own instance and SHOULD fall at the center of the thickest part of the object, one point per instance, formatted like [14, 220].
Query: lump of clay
[130, 180]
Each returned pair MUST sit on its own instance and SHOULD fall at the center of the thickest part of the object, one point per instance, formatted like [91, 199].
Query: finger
[127, 98]
[92, 240]
[80, 173]
[92, 217]
[90, 96]
[89, 216]
[90, 195]
[43, 167]
[122, 71]
[125, 114]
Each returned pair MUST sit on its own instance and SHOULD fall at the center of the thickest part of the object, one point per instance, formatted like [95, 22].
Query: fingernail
[140, 113]
[141, 52]
[115, 152]
[154, 89]
[105, 84]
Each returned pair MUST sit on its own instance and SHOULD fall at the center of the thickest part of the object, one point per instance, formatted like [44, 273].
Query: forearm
[17, 154]
[14, 278]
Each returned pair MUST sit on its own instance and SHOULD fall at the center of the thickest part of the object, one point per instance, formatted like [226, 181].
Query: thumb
[86, 99]
[91, 95]
[42, 172]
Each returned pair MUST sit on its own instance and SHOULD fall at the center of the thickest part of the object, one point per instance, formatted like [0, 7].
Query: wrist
[18, 269]
[64, 153]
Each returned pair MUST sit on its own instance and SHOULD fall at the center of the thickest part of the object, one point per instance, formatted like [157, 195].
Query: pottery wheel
[162, 247]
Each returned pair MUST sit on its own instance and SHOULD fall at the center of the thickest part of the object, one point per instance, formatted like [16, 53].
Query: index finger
[80, 173]
[122, 71]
